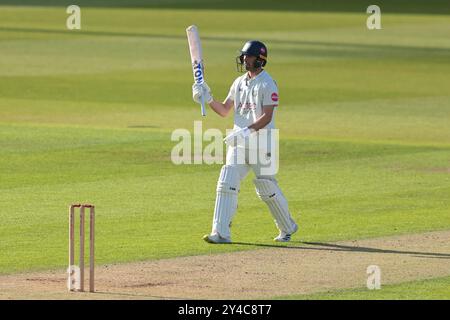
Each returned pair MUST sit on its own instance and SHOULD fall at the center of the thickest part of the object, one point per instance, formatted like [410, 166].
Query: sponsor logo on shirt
[245, 108]
[274, 96]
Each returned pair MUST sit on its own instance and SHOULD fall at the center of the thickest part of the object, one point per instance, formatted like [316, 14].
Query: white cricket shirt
[250, 95]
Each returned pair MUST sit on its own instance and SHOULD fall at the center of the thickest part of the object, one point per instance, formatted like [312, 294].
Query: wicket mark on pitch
[76, 274]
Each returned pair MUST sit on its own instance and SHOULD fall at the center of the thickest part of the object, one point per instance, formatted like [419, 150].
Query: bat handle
[202, 103]
[203, 107]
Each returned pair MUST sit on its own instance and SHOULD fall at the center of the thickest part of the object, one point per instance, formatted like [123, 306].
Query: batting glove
[237, 135]
[201, 89]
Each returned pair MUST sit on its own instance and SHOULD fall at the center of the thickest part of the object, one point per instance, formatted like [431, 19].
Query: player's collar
[257, 76]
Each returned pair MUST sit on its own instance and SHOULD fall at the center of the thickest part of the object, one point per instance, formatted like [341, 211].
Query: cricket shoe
[216, 238]
[285, 237]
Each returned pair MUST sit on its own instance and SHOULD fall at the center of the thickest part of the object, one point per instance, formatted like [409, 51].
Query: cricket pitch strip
[301, 268]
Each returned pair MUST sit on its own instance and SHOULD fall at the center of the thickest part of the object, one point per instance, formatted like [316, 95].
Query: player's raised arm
[221, 108]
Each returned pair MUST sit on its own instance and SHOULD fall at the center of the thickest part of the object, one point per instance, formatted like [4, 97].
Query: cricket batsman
[254, 98]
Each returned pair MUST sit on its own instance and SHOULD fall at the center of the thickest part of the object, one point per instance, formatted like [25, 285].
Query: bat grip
[202, 103]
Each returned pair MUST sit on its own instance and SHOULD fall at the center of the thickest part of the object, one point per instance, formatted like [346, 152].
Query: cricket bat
[195, 48]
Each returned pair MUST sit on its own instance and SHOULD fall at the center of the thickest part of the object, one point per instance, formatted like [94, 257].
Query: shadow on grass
[352, 48]
[322, 246]
[142, 127]
[387, 6]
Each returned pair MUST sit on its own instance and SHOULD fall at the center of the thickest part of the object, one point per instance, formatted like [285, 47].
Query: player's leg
[268, 190]
[226, 198]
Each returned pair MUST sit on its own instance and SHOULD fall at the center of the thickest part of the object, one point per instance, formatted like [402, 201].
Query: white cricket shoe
[285, 237]
[215, 238]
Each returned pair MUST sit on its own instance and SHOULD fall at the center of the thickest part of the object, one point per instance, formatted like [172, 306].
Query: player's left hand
[240, 134]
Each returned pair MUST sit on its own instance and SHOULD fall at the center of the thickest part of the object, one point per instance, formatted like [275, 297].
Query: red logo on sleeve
[274, 96]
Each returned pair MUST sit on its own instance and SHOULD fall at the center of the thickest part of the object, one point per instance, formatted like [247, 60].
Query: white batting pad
[270, 193]
[226, 200]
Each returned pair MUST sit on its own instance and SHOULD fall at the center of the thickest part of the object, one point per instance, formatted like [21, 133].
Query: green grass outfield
[87, 116]
[434, 289]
